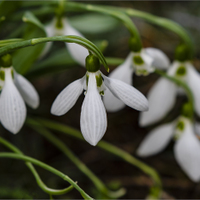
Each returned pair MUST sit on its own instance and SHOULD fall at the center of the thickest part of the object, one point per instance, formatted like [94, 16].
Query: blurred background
[57, 69]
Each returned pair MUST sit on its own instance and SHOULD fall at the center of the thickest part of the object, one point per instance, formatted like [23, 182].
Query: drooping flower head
[141, 61]
[186, 148]
[15, 89]
[61, 26]
[162, 95]
[93, 120]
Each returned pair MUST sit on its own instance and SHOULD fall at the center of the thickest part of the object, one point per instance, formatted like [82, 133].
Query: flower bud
[135, 44]
[92, 63]
[6, 61]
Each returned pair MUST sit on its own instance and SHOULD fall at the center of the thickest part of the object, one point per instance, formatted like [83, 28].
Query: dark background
[17, 182]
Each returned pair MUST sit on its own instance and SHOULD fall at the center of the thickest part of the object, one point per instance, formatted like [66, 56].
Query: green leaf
[31, 18]
[25, 57]
[93, 23]
[7, 7]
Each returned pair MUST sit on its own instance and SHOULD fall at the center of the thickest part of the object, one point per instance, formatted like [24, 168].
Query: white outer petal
[12, 106]
[156, 140]
[93, 114]
[147, 58]
[128, 94]
[197, 128]
[161, 98]
[124, 73]
[27, 91]
[67, 97]
[50, 32]
[193, 80]
[187, 153]
[78, 52]
[160, 60]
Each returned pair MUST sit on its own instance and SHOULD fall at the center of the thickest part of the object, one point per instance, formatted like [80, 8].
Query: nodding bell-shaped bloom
[93, 120]
[60, 27]
[142, 63]
[186, 148]
[15, 90]
[162, 95]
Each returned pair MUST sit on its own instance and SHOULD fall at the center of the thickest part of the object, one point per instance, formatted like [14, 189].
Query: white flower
[15, 90]
[142, 63]
[78, 52]
[93, 114]
[186, 149]
[162, 95]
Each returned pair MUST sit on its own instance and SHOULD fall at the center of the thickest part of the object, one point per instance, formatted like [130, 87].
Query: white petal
[12, 106]
[160, 60]
[124, 73]
[187, 153]
[197, 128]
[193, 80]
[161, 98]
[27, 91]
[147, 58]
[50, 32]
[93, 114]
[78, 52]
[128, 94]
[156, 140]
[67, 97]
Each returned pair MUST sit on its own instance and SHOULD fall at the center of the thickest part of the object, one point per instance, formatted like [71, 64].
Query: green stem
[60, 145]
[110, 148]
[46, 167]
[159, 21]
[36, 175]
[70, 39]
[181, 84]
[123, 17]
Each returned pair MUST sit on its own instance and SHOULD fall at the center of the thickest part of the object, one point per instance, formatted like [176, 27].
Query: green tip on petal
[92, 63]
[180, 126]
[138, 60]
[181, 70]
[6, 60]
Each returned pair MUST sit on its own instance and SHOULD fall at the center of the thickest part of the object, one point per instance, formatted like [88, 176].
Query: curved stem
[60, 145]
[40, 183]
[70, 39]
[46, 167]
[179, 83]
[109, 148]
[123, 17]
[159, 21]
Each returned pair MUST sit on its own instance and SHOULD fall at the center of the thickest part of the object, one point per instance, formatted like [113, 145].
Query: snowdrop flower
[93, 120]
[142, 63]
[60, 27]
[186, 149]
[162, 95]
[15, 90]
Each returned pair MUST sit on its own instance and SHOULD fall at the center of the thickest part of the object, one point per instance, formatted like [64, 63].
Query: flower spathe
[142, 63]
[162, 95]
[93, 121]
[186, 148]
[77, 52]
[15, 90]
